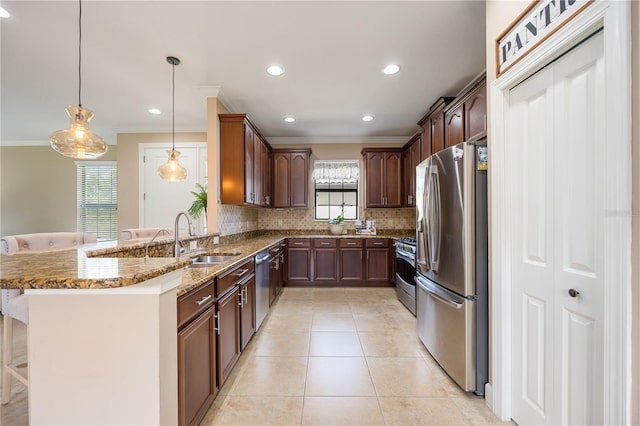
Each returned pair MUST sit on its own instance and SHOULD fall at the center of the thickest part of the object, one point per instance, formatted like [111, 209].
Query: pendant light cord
[80, 54]
[173, 107]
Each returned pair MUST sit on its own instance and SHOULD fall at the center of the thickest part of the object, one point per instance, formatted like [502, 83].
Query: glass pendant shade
[172, 170]
[78, 141]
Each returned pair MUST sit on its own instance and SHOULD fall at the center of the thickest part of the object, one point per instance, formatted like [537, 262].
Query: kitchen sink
[211, 260]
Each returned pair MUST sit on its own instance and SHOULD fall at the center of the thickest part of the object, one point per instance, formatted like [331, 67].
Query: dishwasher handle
[262, 259]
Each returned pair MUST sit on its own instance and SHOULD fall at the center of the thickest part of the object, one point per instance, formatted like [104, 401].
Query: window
[336, 189]
[98, 198]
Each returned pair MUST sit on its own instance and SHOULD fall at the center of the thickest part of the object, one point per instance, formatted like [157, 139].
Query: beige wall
[128, 184]
[38, 190]
[499, 14]
[635, 23]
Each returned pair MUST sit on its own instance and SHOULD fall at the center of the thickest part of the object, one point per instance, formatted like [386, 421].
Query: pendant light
[78, 141]
[172, 170]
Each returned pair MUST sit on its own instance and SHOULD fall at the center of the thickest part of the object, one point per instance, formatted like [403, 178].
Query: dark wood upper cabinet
[242, 144]
[475, 108]
[432, 128]
[290, 185]
[437, 132]
[411, 158]
[454, 126]
[383, 177]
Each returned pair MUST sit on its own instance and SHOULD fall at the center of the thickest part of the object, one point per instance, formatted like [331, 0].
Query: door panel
[161, 201]
[532, 180]
[556, 120]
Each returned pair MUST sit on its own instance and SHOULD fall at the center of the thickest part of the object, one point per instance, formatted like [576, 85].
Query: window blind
[97, 186]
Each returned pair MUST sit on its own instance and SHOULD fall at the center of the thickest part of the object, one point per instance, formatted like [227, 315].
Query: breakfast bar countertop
[82, 269]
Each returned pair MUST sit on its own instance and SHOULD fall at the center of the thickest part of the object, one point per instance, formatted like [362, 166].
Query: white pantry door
[557, 187]
[162, 200]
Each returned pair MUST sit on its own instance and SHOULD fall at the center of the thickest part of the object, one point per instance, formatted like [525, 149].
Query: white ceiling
[332, 53]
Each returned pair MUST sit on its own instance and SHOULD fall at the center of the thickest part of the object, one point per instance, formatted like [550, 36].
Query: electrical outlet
[216, 240]
[193, 245]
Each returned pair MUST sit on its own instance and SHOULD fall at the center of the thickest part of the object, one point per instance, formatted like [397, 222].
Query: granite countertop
[77, 268]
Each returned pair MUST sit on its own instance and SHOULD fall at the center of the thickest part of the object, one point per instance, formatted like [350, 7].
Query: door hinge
[144, 158]
[144, 196]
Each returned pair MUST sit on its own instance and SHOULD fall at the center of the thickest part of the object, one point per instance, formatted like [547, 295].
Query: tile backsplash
[237, 219]
[280, 219]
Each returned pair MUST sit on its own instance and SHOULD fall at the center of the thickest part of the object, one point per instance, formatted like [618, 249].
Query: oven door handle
[402, 255]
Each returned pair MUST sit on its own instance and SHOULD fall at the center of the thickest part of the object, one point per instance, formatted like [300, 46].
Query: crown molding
[210, 91]
[378, 140]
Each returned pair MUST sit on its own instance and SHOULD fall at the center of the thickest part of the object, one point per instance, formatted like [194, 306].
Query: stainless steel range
[406, 272]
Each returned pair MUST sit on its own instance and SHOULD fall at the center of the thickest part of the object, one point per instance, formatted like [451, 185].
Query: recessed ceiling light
[391, 69]
[367, 118]
[275, 70]
[4, 13]
[155, 111]
[289, 119]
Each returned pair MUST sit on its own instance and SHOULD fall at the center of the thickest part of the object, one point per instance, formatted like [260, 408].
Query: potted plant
[337, 225]
[200, 203]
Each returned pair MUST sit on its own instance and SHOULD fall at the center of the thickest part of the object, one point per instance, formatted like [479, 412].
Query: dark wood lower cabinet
[298, 264]
[377, 264]
[197, 385]
[247, 311]
[350, 261]
[325, 264]
[228, 333]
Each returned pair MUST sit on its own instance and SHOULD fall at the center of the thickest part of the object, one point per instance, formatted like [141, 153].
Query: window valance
[336, 171]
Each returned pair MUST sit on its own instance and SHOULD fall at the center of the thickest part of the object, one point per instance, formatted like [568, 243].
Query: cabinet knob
[573, 293]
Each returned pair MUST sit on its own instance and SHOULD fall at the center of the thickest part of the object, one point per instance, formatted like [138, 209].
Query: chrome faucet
[146, 246]
[176, 248]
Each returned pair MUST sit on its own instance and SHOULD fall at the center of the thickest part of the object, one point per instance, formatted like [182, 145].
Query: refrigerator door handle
[438, 294]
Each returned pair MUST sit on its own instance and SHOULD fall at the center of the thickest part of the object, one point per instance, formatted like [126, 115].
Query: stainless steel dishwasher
[262, 287]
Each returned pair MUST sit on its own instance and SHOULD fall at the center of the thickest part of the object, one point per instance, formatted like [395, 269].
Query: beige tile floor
[341, 356]
[329, 356]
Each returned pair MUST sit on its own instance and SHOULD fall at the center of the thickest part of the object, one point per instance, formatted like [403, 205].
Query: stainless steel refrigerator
[451, 262]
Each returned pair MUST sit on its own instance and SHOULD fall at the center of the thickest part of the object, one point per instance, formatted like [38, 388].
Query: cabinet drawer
[350, 242]
[231, 278]
[324, 242]
[299, 242]
[377, 242]
[195, 302]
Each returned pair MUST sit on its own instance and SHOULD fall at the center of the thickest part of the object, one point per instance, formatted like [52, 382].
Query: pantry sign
[537, 23]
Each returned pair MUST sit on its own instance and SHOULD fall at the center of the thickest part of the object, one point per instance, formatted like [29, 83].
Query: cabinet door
[228, 334]
[377, 264]
[325, 264]
[454, 126]
[393, 179]
[298, 264]
[196, 368]
[350, 264]
[437, 132]
[375, 179]
[426, 140]
[475, 109]
[281, 182]
[258, 170]
[273, 278]
[248, 164]
[406, 173]
[299, 179]
[247, 311]
[413, 163]
[267, 176]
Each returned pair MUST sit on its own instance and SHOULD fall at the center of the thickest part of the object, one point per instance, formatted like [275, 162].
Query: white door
[557, 188]
[161, 200]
